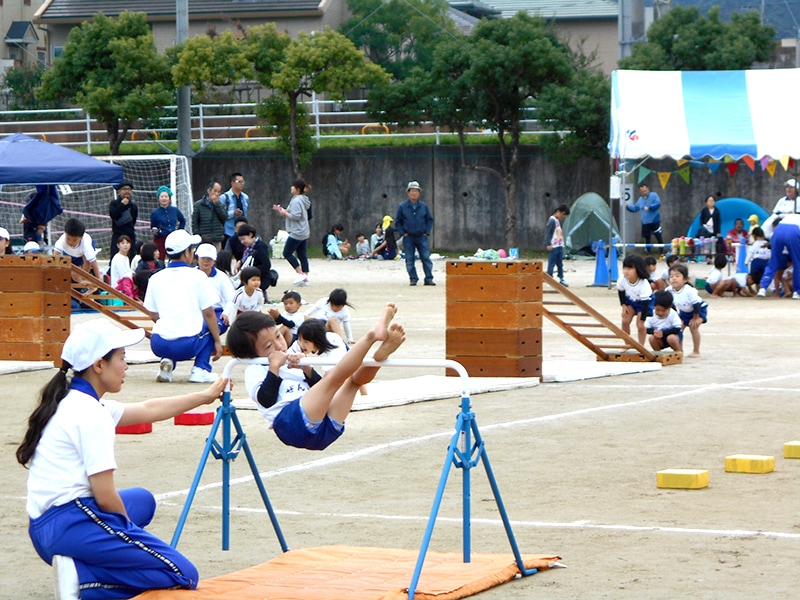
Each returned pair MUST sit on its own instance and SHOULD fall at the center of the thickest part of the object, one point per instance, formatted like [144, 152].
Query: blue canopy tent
[29, 161]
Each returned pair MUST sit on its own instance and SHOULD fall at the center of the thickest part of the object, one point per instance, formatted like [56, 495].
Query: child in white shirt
[664, 325]
[248, 297]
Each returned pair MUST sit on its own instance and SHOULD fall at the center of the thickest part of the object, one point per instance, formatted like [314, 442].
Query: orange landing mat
[358, 573]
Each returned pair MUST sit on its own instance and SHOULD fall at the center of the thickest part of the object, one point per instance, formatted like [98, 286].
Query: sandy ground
[575, 462]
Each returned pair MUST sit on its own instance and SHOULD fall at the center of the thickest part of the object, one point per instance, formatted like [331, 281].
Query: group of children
[382, 244]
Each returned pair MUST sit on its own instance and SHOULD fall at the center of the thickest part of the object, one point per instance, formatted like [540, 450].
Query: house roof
[21, 32]
[560, 10]
[76, 11]
[475, 8]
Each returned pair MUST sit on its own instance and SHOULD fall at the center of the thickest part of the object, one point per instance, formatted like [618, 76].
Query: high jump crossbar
[465, 450]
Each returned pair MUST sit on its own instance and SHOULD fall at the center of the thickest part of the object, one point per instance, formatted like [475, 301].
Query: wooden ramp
[125, 311]
[595, 331]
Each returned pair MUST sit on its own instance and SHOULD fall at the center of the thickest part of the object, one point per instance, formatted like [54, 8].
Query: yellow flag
[663, 177]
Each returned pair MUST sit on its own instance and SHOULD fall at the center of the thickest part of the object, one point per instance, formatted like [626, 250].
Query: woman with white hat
[91, 533]
[5, 242]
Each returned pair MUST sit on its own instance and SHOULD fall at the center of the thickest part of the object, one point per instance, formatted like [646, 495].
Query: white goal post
[89, 203]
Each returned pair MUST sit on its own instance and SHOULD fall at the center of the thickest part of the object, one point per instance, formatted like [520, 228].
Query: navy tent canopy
[28, 161]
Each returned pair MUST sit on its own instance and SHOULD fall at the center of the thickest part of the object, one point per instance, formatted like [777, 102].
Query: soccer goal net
[89, 203]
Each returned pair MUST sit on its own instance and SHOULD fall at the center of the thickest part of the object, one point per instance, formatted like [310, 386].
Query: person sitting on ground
[387, 249]
[92, 533]
[663, 327]
[291, 318]
[304, 409]
[717, 283]
[233, 245]
[149, 262]
[180, 300]
[375, 240]
[246, 298]
[334, 311]
[362, 246]
[335, 247]
[692, 311]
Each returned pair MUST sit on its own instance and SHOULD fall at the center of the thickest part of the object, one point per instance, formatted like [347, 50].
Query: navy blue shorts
[663, 345]
[688, 316]
[640, 306]
[290, 427]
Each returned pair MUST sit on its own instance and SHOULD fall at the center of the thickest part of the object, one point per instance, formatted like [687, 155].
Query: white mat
[18, 366]
[561, 371]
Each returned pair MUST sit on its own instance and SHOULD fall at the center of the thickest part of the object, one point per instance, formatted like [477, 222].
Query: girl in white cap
[91, 533]
[5, 242]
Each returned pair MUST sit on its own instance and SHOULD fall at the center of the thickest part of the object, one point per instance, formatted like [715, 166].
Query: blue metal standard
[465, 451]
[227, 451]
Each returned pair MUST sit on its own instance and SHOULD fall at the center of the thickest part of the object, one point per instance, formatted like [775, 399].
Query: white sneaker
[198, 375]
[165, 371]
[795, 296]
[300, 280]
[67, 586]
[762, 293]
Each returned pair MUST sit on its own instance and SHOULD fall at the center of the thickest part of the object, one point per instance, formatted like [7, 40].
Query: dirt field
[575, 462]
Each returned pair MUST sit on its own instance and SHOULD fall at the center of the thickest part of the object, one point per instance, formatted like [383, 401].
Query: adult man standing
[181, 302]
[123, 212]
[209, 216]
[649, 204]
[414, 223]
[236, 203]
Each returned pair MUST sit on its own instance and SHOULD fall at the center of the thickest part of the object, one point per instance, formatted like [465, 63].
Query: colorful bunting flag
[663, 177]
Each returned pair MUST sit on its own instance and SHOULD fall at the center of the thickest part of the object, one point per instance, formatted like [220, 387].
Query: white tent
[705, 113]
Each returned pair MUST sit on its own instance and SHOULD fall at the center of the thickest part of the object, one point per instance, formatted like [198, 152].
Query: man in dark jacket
[123, 212]
[209, 216]
[414, 223]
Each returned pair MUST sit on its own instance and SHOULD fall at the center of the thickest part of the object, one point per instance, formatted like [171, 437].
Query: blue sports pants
[198, 347]
[115, 557]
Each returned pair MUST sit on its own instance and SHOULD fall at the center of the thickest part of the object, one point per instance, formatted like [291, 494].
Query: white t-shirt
[179, 294]
[636, 292]
[336, 353]
[758, 249]
[297, 318]
[656, 323]
[685, 299]
[84, 249]
[120, 267]
[77, 442]
[222, 283]
[293, 385]
[714, 277]
[322, 310]
[241, 302]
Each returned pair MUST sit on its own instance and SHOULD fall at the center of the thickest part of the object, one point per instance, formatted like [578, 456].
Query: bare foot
[380, 330]
[396, 335]
[694, 355]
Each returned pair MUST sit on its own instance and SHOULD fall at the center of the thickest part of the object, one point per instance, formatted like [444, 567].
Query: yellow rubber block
[749, 463]
[682, 479]
[791, 450]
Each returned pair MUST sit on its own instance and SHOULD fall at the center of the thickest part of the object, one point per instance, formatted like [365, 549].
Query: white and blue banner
[698, 114]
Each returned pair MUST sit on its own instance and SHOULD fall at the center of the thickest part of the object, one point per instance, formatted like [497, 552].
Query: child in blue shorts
[664, 325]
[305, 409]
[635, 294]
[692, 310]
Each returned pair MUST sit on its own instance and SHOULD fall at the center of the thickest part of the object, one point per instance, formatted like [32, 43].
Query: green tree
[398, 34]
[21, 83]
[209, 62]
[325, 63]
[685, 40]
[485, 80]
[112, 69]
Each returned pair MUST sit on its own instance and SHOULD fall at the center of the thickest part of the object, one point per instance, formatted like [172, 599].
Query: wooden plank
[494, 342]
[488, 315]
[492, 268]
[480, 288]
[28, 351]
[498, 366]
[34, 329]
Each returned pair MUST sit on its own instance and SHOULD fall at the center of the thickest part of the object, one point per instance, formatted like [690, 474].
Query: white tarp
[705, 113]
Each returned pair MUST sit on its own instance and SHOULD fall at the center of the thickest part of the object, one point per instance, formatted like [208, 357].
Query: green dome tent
[589, 220]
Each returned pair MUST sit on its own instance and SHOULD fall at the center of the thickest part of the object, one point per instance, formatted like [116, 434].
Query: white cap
[180, 240]
[94, 339]
[413, 185]
[206, 251]
[31, 247]
[4, 233]
[792, 183]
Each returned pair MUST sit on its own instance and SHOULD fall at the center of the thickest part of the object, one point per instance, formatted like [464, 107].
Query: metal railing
[218, 122]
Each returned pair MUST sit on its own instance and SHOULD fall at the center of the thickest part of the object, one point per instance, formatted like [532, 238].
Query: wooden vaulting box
[494, 317]
[34, 306]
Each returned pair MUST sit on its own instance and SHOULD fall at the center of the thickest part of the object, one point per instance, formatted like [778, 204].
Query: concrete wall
[358, 186]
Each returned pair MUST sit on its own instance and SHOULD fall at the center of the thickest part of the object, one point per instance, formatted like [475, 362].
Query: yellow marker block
[791, 450]
[749, 463]
[682, 479]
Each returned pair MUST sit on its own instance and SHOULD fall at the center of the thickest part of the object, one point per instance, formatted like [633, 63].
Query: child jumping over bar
[305, 409]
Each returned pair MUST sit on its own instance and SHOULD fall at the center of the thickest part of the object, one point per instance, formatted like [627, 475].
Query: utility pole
[184, 92]
[630, 24]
